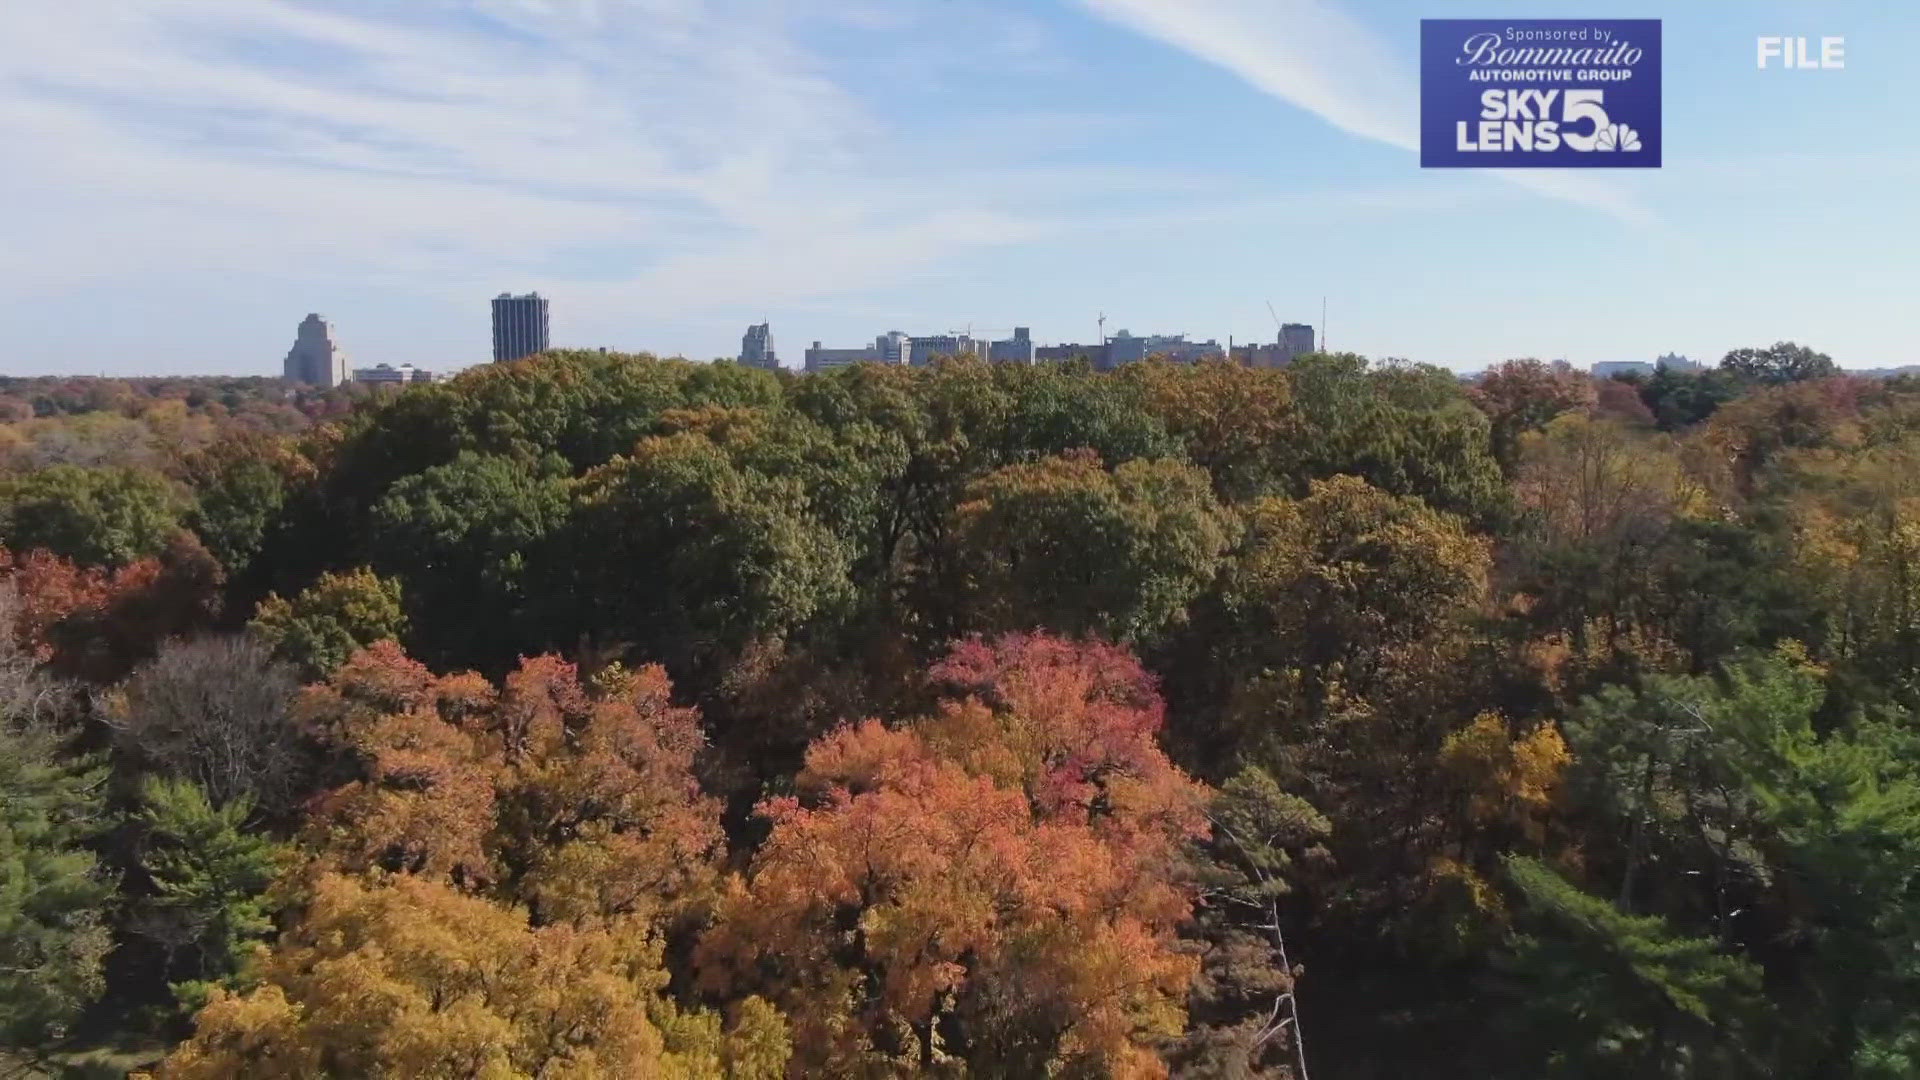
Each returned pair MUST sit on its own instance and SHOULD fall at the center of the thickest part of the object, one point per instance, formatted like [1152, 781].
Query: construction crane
[1278, 333]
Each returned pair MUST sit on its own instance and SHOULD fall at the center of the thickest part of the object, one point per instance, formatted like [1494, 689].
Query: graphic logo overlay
[1540, 93]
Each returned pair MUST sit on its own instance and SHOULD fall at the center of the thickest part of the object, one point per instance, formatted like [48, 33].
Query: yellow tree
[409, 977]
[1234, 421]
[492, 894]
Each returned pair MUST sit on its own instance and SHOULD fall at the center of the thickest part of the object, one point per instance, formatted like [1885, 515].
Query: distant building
[315, 359]
[519, 326]
[819, 359]
[1017, 349]
[1296, 339]
[756, 348]
[925, 350]
[894, 347]
[388, 375]
[1125, 348]
[1676, 362]
[1607, 369]
[1054, 354]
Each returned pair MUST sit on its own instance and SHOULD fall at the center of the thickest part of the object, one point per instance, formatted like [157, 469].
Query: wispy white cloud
[1312, 54]
[448, 142]
[647, 159]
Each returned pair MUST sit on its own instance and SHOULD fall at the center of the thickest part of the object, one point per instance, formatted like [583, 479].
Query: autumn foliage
[490, 894]
[993, 884]
[596, 715]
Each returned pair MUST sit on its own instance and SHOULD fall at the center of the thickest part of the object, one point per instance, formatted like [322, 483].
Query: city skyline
[678, 171]
[316, 352]
[318, 359]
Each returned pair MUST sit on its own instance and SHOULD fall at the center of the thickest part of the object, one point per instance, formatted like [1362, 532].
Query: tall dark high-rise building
[519, 326]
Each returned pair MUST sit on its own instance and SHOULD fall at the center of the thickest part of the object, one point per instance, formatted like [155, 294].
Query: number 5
[1578, 105]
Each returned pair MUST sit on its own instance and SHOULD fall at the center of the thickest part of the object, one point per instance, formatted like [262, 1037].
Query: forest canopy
[604, 716]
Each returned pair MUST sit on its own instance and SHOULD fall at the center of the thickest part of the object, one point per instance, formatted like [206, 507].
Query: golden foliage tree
[409, 977]
[492, 894]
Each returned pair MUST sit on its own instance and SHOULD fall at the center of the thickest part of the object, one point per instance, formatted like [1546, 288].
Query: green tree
[208, 870]
[1334, 583]
[1064, 544]
[688, 557]
[1781, 362]
[52, 936]
[96, 517]
[1681, 399]
[1734, 803]
[239, 486]
[467, 541]
[1406, 429]
[331, 620]
[1601, 993]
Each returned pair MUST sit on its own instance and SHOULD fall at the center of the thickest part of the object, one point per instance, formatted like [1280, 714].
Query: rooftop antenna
[1103, 328]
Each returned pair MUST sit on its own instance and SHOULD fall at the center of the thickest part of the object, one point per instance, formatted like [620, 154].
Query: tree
[991, 888]
[1064, 544]
[1234, 421]
[1598, 992]
[239, 486]
[466, 540]
[1856, 552]
[1332, 588]
[575, 801]
[1730, 801]
[95, 624]
[208, 871]
[1681, 399]
[1519, 396]
[216, 711]
[1598, 499]
[689, 557]
[492, 894]
[1244, 1014]
[1781, 362]
[96, 517]
[45, 589]
[1623, 401]
[332, 619]
[1406, 429]
[52, 936]
[410, 977]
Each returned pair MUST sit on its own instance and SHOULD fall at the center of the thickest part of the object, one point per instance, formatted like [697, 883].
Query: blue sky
[184, 181]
